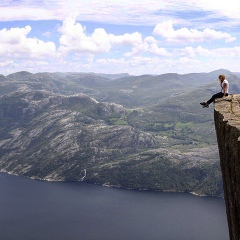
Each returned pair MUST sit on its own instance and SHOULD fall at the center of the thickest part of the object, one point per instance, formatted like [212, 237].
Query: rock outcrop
[227, 124]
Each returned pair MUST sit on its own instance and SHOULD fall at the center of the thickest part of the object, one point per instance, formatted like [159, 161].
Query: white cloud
[224, 53]
[167, 31]
[112, 61]
[14, 35]
[193, 52]
[141, 12]
[6, 63]
[227, 8]
[126, 39]
[120, 12]
[138, 65]
[10, 13]
[154, 49]
[227, 53]
[14, 43]
[135, 51]
[182, 60]
[74, 38]
[128, 12]
[148, 48]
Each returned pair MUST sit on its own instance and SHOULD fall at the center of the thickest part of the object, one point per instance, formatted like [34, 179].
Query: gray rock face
[47, 131]
[227, 115]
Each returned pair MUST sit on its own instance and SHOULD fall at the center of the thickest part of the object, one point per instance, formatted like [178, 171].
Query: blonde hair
[221, 77]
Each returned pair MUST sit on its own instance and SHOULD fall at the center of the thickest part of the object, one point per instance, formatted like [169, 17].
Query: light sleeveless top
[225, 81]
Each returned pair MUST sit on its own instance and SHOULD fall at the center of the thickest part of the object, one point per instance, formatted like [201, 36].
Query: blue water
[38, 210]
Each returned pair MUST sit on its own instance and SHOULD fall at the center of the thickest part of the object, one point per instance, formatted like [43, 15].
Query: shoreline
[108, 185]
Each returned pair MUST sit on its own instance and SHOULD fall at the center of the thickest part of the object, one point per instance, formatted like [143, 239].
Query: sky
[124, 36]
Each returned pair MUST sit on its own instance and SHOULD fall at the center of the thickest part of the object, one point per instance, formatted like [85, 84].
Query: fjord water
[38, 210]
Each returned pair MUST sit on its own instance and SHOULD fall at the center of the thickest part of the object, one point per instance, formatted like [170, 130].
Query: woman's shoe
[204, 104]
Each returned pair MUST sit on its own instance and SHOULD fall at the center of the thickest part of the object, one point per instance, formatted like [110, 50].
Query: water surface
[38, 210]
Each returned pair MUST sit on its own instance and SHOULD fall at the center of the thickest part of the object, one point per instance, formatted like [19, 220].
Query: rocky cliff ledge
[227, 124]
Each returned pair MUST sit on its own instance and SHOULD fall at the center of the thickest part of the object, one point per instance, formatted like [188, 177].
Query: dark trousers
[217, 95]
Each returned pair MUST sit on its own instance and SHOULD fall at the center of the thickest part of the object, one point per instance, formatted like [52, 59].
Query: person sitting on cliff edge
[224, 91]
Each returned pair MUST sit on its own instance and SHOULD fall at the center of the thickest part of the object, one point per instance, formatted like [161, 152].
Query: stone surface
[227, 124]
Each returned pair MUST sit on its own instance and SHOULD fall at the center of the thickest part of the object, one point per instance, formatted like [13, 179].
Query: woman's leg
[217, 95]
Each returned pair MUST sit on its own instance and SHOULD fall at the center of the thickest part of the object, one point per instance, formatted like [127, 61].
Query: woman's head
[221, 77]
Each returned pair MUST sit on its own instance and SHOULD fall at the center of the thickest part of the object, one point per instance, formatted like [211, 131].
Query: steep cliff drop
[227, 124]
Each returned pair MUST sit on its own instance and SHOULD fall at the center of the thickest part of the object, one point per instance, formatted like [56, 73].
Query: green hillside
[52, 127]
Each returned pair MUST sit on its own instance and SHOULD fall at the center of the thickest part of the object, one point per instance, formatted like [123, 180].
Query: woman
[224, 92]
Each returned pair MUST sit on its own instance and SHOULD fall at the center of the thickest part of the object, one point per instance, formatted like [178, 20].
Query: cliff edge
[227, 124]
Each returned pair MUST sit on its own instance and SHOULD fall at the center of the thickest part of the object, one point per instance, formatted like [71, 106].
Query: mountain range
[139, 132]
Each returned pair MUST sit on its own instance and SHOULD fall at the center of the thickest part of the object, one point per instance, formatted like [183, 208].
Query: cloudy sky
[108, 36]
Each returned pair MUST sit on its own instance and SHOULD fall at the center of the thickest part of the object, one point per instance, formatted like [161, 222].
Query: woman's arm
[224, 89]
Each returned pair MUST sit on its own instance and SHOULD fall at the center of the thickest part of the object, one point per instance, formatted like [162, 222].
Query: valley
[137, 132]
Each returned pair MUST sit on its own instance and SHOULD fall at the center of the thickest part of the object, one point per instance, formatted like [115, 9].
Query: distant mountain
[221, 71]
[50, 136]
[112, 76]
[2, 78]
[237, 74]
[142, 132]
[129, 91]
